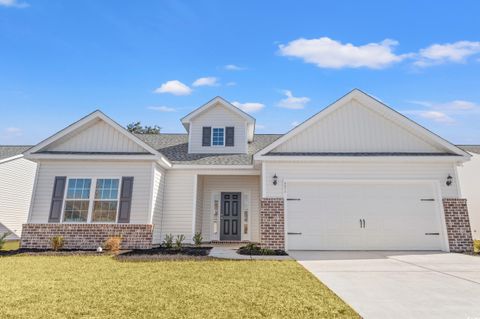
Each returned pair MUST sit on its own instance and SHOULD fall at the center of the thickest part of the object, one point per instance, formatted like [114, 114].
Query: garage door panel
[329, 216]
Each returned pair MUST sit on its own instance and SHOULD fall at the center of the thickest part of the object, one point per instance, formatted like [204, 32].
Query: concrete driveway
[400, 284]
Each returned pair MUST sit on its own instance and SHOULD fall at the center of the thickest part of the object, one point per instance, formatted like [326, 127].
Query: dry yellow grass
[101, 287]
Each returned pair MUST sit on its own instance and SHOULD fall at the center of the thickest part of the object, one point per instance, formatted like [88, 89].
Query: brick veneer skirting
[272, 223]
[87, 236]
[458, 224]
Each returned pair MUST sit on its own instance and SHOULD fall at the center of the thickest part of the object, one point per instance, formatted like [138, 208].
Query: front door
[230, 216]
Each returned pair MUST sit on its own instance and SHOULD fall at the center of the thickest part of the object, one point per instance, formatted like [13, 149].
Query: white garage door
[363, 216]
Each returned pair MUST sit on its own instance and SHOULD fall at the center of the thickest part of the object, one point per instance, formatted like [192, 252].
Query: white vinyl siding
[356, 128]
[16, 184]
[157, 202]
[248, 186]
[97, 137]
[218, 116]
[142, 184]
[178, 204]
[361, 171]
[469, 177]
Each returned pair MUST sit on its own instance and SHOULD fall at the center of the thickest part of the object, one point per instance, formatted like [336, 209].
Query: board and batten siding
[178, 203]
[218, 116]
[247, 185]
[355, 128]
[469, 176]
[157, 201]
[142, 185]
[17, 177]
[97, 137]
[358, 171]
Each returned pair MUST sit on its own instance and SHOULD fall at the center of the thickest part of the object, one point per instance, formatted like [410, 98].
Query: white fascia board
[375, 105]
[83, 121]
[11, 158]
[361, 158]
[36, 156]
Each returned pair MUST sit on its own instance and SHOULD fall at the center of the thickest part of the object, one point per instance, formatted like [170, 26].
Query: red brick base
[458, 224]
[272, 223]
[86, 236]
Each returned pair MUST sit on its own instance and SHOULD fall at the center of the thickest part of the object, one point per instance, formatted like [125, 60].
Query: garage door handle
[364, 226]
[294, 233]
[432, 234]
[293, 198]
[362, 223]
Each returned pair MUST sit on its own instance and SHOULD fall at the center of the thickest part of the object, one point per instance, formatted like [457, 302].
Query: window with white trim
[218, 136]
[77, 200]
[82, 205]
[106, 200]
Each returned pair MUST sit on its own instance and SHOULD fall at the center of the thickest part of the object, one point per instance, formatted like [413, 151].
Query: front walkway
[229, 251]
[400, 284]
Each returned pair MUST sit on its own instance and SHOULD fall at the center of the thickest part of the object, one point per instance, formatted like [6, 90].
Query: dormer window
[218, 136]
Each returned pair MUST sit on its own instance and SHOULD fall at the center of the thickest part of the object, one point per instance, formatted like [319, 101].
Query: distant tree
[138, 128]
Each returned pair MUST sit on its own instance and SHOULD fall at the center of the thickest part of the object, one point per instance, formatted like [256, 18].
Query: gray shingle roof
[175, 148]
[470, 148]
[7, 151]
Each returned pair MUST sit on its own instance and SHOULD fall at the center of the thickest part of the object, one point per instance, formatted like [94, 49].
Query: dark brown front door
[230, 216]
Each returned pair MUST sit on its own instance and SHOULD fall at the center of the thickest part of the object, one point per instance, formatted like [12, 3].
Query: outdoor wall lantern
[275, 179]
[449, 180]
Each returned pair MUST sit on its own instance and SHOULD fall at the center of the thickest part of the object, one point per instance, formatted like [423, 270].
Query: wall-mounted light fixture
[275, 179]
[449, 180]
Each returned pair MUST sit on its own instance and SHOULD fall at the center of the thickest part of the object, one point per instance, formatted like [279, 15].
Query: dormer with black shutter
[219, 127]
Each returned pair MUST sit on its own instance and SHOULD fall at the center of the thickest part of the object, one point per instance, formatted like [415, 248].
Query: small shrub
[3, 239]
[255, 250]
[476, 246]
[113, 244]
[179, 241]
[57, 242]
[197, 239]
[168, 241]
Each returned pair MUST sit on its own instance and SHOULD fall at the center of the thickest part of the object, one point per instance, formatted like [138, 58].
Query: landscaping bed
[255, 250]
[185, 252]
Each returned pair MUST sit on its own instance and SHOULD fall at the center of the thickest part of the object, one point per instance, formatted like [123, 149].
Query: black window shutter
[206, 136]
[125, 200]
[57, 199]
[230, 136]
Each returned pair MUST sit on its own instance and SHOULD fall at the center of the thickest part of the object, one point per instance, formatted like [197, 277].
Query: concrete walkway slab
[400, 284]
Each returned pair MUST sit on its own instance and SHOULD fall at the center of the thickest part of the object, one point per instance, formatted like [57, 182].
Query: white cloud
[457, 52]
[260, 126]
[295, 123]
[10, 132]
[444, 112]
[292, 102]
[233, 67]
[436, 116]
[206, 81]
[249, 107]
[231, 83]
[174, 87]
[328, 53]
[162, 108]
[13, 3]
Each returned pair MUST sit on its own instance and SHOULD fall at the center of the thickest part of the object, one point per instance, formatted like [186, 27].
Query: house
[469, 175]
[355, 176]
[16, 183]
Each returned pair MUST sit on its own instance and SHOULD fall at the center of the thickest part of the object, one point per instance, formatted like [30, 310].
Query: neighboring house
[355, 176]
[469, 175]
[16, 183]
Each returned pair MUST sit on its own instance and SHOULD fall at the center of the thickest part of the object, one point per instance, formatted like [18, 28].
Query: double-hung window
[218, 136]
[83, 205]
[77, 200]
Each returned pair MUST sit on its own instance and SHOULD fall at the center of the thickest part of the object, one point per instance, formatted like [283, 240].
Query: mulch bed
[162, 253]
[48, 252]
[261, 252]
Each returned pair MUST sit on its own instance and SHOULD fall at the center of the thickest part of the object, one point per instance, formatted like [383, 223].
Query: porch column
[458, 225]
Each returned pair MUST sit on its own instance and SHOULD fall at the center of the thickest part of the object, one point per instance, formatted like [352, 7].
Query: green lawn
[11, 245]
[101, 287]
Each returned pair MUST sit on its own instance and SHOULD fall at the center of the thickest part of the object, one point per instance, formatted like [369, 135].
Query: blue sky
[282, 61]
